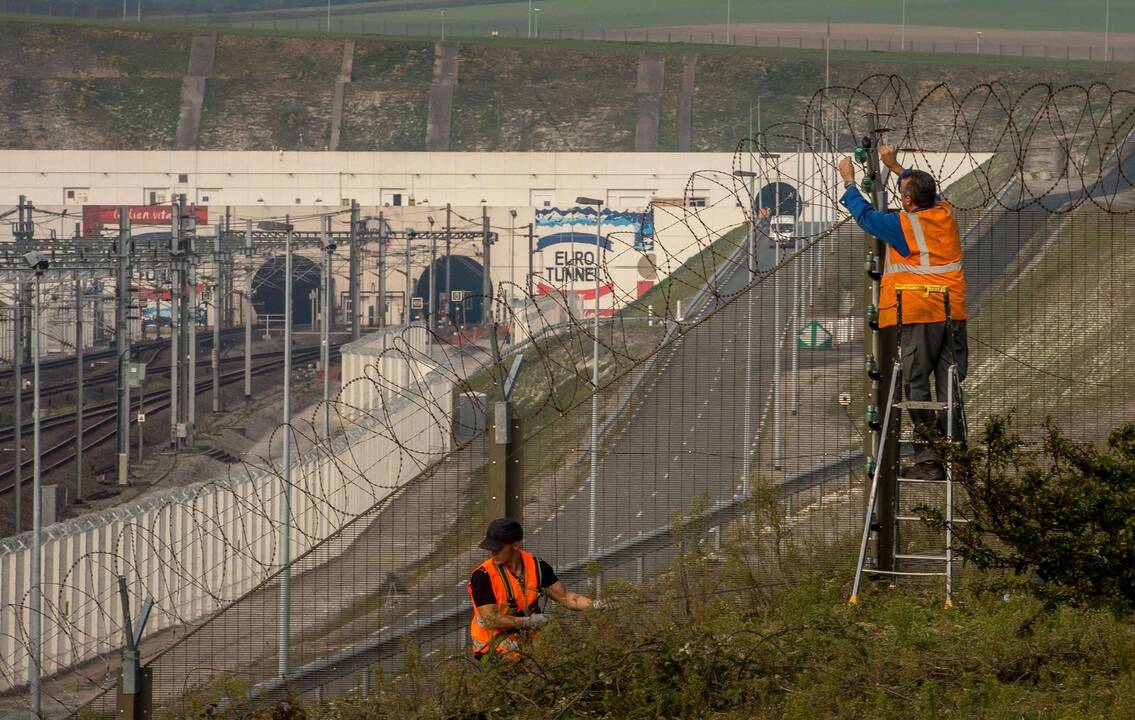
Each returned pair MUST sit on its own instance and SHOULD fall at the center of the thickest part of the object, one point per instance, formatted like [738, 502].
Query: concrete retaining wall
[197, 548]
[441, 97]
[651, 74]
[201, 56]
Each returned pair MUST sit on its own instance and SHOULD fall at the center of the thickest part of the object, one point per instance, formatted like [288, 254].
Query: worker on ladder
[923, 248]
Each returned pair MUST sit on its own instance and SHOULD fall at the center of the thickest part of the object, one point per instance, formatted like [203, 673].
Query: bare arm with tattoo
[567, 598]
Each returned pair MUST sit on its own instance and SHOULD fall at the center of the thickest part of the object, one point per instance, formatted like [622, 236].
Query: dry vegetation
[270, 89]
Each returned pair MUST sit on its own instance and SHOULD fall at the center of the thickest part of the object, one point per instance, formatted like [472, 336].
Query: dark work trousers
[929, 349]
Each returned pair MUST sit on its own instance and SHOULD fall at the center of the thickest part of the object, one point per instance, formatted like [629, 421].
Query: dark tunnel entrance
[467, 276]
[268, 288]
[779, 198]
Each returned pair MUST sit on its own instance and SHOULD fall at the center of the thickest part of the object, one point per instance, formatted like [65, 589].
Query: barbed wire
[400, 454]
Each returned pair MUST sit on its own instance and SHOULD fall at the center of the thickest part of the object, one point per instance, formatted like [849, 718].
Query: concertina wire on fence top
[756, 382]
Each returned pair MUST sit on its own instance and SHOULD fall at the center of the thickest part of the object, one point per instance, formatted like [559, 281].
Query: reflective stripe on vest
[935, 258]
[485, 639]
[919, 239]
[893, 268]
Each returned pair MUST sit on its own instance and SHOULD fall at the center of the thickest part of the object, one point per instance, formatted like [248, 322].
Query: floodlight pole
[432, 305]
[325, 326]
[488, 305]
[283, 629]
[797, 293]
[122, 332]
[218, 284]
[902, 32]
[36, 609]
[383, 236]
[176, 298]
[778, 330]
[79, 387]
[248, 310]
[18, 404]
[191, 338]
[593, 498]
[409, 284]
[747, 437]
[449, 263]
[1106, 28]
[356, 277]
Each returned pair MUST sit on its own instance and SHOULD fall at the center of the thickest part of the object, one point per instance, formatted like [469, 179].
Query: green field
[575, 15]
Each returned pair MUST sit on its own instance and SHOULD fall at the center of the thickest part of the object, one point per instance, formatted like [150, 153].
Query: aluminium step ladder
[954, 407]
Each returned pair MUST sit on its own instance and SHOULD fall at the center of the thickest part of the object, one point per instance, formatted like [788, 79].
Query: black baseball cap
[501, 532]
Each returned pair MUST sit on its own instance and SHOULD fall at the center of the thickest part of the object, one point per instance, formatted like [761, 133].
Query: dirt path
[921, 38]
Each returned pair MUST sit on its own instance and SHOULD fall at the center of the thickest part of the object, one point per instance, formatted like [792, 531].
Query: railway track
[204, 339]
[105, 378]
[105, 414]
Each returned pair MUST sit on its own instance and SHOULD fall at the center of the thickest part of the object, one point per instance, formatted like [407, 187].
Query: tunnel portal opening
[268, 288]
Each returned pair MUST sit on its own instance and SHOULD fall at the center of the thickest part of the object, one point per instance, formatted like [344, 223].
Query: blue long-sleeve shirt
[885, 226]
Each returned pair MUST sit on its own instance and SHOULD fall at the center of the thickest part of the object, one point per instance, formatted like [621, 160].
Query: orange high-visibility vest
[935, 259]
[519, 600]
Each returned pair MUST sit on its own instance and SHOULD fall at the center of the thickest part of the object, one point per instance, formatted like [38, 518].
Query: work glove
[535, 622]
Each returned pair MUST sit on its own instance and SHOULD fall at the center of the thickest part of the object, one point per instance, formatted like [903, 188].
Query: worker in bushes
[924, 249]
[506, 591]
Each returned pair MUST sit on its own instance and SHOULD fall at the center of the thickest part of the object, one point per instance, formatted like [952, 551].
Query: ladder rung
[901, 572]
[912, 518]
[939, 558]
[941, 481]
[922, 405]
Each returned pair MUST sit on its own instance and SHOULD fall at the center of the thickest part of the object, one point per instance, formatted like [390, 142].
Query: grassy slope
[385, 106]
[272, 90]
[618, 14]
[706, 642]
[68, 87]
[1053, 342]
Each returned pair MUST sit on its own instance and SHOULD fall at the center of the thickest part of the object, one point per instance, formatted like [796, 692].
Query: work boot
[925, 470]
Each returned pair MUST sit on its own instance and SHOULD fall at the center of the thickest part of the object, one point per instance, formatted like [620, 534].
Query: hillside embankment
[69, 85]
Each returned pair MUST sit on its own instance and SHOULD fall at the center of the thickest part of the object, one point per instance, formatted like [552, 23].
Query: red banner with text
[99, 216]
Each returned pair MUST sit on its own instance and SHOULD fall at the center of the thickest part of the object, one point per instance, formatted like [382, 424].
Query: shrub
[1061, 514]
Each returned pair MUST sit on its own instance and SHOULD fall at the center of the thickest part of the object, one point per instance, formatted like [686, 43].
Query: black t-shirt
[482, 586]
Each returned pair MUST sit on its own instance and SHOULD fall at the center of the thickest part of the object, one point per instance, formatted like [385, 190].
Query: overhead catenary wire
[668, 391]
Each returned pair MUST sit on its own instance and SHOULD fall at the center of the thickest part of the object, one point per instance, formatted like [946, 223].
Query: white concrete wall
[322, 178]
[302, 180]
[263, 185]
[197, 548]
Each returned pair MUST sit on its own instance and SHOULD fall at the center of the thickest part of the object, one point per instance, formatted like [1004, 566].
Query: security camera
[331, 244]
[36, 261]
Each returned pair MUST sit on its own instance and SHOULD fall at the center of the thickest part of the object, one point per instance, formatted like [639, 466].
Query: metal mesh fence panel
[730, 399]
